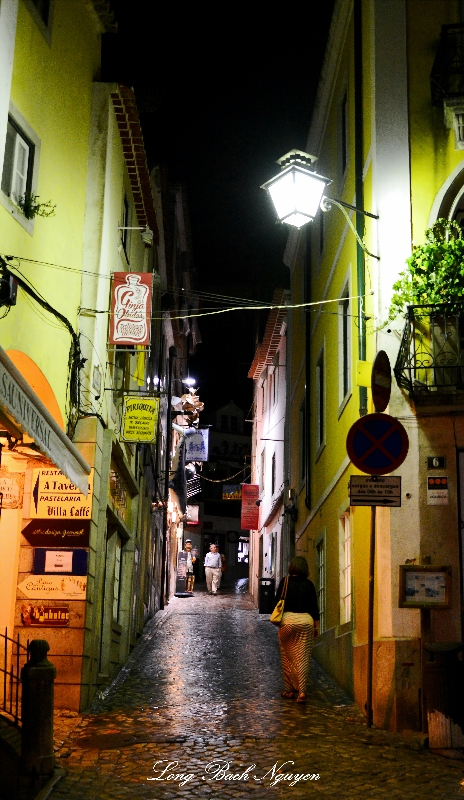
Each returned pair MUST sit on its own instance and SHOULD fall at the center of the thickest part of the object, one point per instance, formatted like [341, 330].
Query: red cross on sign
[377, 444]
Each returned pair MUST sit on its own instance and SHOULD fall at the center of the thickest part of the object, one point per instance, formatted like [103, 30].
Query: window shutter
[7, 173]
[21, 161]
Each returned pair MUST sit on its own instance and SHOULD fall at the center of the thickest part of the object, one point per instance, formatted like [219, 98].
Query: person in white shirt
[213, 569]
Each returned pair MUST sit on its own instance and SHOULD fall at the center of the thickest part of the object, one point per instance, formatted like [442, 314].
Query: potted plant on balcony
[435, 270]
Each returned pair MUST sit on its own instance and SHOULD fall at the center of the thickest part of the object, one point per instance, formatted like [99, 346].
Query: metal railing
[447, 75]
[14, 655]
[431, 354]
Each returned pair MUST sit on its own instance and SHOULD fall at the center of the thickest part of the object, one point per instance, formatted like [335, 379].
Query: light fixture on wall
[297, 192]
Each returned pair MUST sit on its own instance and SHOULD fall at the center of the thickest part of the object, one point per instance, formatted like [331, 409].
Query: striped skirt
[296, 636]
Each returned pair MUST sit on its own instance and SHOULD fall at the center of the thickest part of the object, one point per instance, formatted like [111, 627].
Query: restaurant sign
[57, 587]
[196, 445]
[53, 495]
[140, 419]
[131, 308]
[45, 616]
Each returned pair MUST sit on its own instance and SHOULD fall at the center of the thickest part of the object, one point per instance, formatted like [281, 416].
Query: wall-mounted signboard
[11, 488]
[71, 562]
[54, 532]
[424, 587]
[44, 616]
[250, 510]
[437, 490]
[140, 419]
[56, 587]
[54, 496]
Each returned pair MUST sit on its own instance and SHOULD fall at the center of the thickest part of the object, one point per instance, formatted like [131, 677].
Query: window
[345, 568]
[276, 379]
[117, 578]
[344, 346]
[344, 134]
[320, 562]
[18, 163]
[271, 389]
[224, 422]
[263, 455]
[272, 554]
[263, 398]
[234, 424]
[273, 474]
[320, 401]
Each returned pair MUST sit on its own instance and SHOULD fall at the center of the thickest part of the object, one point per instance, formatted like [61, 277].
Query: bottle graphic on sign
[130, 310]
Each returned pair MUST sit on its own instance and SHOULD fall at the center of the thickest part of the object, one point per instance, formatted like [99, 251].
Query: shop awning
[21, 410]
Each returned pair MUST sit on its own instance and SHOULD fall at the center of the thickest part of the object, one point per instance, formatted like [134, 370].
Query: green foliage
[435, 271]
[31, 208]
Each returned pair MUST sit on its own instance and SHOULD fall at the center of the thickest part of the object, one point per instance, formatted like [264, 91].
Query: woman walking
[299, 626]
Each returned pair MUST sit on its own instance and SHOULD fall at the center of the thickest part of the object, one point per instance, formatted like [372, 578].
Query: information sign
[56, 587]
[375, 490]
[250, 510]
[377, 444]
[424, 587]
[53, 495]
[140, 419]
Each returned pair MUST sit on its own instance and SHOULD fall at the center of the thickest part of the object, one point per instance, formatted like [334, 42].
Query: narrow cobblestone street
[200, 697]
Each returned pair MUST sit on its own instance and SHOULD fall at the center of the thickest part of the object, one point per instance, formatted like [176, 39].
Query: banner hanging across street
[131, 308]
[250, 511]
[140, 419]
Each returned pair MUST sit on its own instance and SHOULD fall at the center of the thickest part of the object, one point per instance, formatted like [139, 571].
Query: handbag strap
[284, 590]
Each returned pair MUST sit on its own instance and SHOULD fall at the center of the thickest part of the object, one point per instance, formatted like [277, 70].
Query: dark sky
[220, 101]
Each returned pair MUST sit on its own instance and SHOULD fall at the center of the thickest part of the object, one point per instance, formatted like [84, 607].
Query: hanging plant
[31, 208]
[435, 270]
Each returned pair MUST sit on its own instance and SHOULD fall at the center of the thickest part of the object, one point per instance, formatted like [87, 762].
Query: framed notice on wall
[424, 587]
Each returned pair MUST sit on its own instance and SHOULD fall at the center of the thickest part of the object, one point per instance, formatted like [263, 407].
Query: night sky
[219, 102]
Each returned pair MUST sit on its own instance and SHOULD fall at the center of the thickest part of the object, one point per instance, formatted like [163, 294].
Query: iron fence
[14, 656]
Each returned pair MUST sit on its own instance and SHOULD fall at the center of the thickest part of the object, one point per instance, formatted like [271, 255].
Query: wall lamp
[298, 190]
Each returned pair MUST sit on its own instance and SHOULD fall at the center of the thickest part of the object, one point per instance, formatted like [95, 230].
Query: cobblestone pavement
[200, 698]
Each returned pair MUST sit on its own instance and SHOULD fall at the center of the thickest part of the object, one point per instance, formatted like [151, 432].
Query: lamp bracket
[326, 205]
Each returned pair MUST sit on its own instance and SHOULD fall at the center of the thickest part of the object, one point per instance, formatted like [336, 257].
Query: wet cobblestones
[201, 693]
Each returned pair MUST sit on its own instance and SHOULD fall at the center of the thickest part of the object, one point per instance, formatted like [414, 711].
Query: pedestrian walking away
[213, 569]
[299, 626]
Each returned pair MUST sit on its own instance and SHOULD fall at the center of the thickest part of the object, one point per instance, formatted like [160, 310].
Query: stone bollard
[37, 677]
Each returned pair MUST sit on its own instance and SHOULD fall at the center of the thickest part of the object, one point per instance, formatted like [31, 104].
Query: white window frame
[344, 348]
[346, 589]
[28, 136]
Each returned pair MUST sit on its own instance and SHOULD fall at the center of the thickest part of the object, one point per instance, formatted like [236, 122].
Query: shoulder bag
[276, 616]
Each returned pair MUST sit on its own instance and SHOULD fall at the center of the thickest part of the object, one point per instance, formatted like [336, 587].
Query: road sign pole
[370, 620]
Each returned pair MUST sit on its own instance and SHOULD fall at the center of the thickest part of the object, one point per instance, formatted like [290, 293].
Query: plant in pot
[435, 277]
[30, 206]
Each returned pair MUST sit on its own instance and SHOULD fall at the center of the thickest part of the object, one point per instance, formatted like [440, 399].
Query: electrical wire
[224, 480]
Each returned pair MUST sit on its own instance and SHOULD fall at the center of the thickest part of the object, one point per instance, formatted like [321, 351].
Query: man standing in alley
[213, 569]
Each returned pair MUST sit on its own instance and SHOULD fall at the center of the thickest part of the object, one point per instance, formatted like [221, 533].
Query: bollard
[37, 677]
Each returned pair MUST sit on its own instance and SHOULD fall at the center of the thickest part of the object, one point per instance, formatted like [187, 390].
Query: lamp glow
[297, 190]
[189, 381]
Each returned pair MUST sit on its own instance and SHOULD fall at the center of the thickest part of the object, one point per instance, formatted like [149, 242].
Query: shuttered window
[18, 162]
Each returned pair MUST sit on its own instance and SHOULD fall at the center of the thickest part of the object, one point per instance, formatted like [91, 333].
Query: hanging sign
[131, 308]
[196, 445]
[45, 616]
[53, 495]
[59, 587]
[250, 511]
[231, 491]
[140, 419]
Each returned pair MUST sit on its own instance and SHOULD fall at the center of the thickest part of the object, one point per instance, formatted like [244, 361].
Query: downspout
[307, 397]
[358, 169]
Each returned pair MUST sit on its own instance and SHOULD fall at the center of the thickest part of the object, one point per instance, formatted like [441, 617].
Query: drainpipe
[164, 570]
[359, 202]
[307, 398]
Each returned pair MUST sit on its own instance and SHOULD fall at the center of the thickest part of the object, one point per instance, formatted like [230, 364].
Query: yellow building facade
[381, 134]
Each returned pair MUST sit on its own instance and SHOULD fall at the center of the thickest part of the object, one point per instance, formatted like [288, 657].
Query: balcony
[447, 75]
[430, 363]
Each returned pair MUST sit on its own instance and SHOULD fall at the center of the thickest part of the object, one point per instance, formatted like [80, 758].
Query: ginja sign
[131, 308]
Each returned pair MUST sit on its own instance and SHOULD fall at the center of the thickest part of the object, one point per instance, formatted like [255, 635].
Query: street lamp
[297, 190]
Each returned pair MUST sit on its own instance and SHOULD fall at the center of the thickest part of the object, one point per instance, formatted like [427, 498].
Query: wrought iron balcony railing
[431, 355]
[447, 75]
